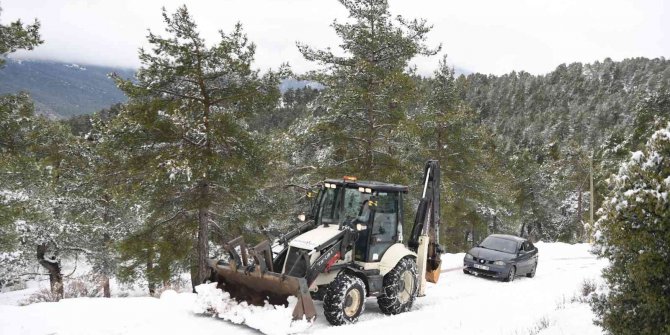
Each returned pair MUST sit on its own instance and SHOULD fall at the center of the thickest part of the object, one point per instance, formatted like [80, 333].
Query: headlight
[468, 256]
[499, 263]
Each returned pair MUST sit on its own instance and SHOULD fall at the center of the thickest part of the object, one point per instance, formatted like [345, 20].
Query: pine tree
[448, 130]
[39, 185]
[633, 233]
[16, 112]
[16, 36]
[42, 173]
[185, 132]
[368, 89]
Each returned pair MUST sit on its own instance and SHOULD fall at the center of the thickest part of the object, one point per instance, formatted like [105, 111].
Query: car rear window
[499, 244]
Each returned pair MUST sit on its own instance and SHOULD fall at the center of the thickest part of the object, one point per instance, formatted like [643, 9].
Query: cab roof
[375, 185]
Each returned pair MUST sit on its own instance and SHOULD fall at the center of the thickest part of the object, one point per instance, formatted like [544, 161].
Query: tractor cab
[372, 208]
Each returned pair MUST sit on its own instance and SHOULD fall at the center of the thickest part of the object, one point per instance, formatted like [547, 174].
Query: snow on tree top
[662, 134]
[637, 156]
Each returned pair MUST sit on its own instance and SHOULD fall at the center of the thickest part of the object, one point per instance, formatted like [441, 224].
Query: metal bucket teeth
[250, 277]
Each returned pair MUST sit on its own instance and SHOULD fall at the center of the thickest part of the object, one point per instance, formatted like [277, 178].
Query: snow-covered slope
[458, 304]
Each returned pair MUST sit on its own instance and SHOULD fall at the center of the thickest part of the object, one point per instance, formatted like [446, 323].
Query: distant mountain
[62, 89]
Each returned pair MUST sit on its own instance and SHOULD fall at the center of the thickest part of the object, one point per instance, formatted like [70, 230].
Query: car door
[523, 258]
[533, 256]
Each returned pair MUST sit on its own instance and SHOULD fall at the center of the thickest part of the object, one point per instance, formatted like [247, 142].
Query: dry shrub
[87, 286]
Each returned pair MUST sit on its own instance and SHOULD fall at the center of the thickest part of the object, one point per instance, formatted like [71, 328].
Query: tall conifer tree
[189, 148]
[368, 88]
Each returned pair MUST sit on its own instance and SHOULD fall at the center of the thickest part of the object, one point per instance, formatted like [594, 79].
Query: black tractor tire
[401, 286]
[511, 274]
[531, 274]
[344, 300]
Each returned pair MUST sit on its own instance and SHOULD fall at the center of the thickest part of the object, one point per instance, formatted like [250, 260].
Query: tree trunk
[53, 266]
[150, 269]
[194, 270]
[591, 200]
[580, 226]
[106, 247]
[105, 286]
[203, 236]
[438, 142]
[474, 235]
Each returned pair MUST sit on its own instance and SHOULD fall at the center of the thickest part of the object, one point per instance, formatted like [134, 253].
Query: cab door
[383, 232]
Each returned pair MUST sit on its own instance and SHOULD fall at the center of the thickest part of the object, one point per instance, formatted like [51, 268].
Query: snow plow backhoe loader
[348, 248]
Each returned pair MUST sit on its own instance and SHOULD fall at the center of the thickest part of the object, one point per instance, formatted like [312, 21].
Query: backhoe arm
[425, 236]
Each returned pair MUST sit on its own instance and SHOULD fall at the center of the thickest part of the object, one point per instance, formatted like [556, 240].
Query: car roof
[509, 237]
[375, 185]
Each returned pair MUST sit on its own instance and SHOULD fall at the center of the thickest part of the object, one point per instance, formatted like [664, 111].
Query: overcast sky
[488, 36]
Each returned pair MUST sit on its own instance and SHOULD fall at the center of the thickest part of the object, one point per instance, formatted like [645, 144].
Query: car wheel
[466, 271]
[511, 274]
[531, 274]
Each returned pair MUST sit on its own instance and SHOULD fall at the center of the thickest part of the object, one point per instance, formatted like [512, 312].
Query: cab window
[384, 232]
[328, 206]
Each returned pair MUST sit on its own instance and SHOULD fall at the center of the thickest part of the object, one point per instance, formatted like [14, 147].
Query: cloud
[488, 36]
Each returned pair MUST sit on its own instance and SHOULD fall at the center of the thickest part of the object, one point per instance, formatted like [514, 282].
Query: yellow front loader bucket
[249, 276]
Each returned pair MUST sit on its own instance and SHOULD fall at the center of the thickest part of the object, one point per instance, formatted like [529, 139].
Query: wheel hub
[405, 286]
[351, 303]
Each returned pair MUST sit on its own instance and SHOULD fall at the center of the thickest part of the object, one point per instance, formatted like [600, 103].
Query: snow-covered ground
[458, 304]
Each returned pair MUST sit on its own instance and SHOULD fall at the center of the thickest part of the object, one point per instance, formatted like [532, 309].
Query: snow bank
[458, 304]
[573, 319]
[114, 316]
[269, 319]
[558, 251]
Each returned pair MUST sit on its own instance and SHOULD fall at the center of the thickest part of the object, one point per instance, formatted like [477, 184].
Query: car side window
[524, 246]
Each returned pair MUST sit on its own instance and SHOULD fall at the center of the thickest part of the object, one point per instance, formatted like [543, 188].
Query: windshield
[354, 204]
[499, 244]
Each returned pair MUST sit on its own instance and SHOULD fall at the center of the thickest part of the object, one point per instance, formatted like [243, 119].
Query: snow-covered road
[458, 304]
